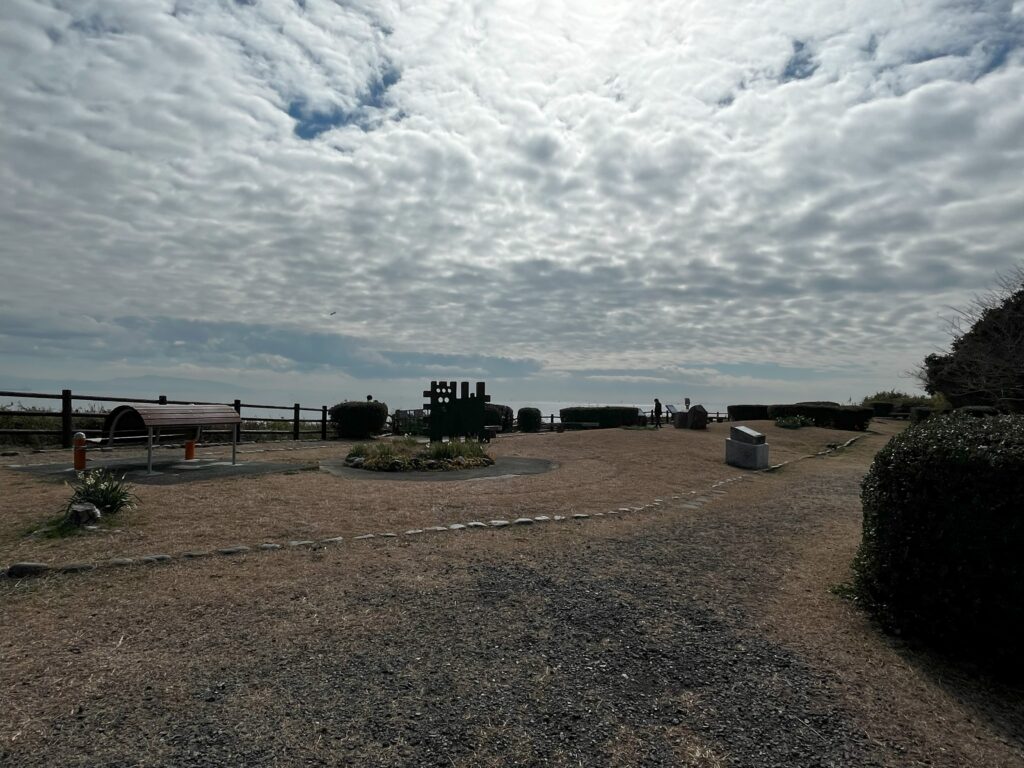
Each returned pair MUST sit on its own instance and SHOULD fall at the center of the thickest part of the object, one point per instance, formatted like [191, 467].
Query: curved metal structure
[151, 420]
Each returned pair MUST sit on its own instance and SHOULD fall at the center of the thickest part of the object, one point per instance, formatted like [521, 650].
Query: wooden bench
[150, 422]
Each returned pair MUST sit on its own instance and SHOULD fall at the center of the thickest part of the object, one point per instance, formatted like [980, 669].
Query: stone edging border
[693, 500]
[690, 500]
[826, 452]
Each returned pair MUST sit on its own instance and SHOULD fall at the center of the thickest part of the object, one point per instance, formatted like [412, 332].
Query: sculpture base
[745, 455]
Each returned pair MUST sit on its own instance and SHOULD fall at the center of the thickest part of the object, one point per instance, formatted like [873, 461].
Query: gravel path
[665, 639]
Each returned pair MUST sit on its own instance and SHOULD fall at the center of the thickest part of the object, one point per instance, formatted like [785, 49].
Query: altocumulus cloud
[567, 188]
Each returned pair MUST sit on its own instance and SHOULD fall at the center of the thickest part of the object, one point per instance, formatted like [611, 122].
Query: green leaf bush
[606, 417]
[498, 416]
[111, 494]
[359, 418]
[748, 412]
[825, 414]
[920, 413]
[529, 419]
[978, 410]
[410, 455]
[793, 422]
[942, 553]
[854, 418]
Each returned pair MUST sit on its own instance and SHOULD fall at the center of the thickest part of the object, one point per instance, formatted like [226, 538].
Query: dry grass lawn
[597, 470]
[670, 637]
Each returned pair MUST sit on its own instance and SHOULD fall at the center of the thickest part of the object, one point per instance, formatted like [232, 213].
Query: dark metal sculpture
[456, 416]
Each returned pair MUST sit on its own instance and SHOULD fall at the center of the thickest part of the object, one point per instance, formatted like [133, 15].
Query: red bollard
[79, 445]
[190, 450]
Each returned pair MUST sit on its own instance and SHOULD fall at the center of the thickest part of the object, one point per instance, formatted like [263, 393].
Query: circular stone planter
[502, 467]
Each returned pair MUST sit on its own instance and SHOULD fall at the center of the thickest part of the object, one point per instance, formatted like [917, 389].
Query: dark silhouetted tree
[985, 362]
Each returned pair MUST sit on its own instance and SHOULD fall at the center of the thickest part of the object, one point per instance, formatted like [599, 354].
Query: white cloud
[572, 182]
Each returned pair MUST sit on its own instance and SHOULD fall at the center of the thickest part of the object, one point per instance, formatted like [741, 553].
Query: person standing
[657, 413]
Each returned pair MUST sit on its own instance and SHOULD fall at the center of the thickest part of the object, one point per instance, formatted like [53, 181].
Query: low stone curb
[690, 500]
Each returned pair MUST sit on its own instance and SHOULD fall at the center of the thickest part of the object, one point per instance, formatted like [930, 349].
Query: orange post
[190, 450]
[79, 446]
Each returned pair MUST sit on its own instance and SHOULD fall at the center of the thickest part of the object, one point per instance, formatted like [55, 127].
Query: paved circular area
[504, 466]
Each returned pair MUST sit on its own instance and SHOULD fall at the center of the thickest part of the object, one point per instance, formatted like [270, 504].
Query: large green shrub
[902, 400]
[606, 417]
[881, 407]
[854, 418]
[920, 413]
[781, 411]
[979, 411]
[359, 418]
[747, 412]
[826, 414]
[529, 419]
[498, 416]
[942, 555]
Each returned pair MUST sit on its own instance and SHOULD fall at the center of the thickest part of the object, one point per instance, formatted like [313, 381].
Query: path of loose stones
[681, 500]
[686, 500]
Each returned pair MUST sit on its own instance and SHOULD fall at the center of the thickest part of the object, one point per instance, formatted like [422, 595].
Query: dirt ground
[597, 469]
[676, 635]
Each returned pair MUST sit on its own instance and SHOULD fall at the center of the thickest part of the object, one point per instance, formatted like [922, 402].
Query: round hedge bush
[529, 419]
[942, 554]
[359, 418]
[498, 416]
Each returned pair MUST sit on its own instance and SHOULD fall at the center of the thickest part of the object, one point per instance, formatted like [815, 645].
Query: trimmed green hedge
[849, 417]
[941, 555]
[529, 419]
[920, 413]
[359, 418]
[881, 408]
[747, 412]
[498, 416]
[854, 418]
[606, 417]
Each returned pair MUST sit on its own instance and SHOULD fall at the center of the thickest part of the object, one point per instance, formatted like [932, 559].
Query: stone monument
[746, 448]
[697, 417]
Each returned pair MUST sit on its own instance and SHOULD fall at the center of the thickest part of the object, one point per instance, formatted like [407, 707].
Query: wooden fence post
[238, 427]
[66, 425]
[323, 422]
[295, 423]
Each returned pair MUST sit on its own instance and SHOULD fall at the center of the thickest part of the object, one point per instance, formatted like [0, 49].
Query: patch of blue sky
[998, 52]
[801, 64]
[310, 123]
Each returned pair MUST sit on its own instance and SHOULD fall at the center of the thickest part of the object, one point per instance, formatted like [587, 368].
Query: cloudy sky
[575, 200]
